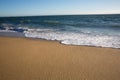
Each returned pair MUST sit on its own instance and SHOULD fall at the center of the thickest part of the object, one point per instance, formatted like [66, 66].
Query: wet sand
[33, 59]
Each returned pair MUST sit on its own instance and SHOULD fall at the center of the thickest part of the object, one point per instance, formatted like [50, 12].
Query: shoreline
[39, 39]
[36, 59]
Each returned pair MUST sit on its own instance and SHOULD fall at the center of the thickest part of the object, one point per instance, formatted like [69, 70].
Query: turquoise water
[90, 30]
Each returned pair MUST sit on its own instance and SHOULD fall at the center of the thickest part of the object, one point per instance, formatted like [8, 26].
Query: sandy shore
[28, 59]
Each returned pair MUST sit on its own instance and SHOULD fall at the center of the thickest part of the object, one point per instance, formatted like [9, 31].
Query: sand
[33, 59]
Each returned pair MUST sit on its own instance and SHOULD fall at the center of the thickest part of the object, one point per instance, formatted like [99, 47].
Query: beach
[36, 59]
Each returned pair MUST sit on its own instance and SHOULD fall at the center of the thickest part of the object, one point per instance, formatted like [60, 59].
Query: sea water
[90, 30]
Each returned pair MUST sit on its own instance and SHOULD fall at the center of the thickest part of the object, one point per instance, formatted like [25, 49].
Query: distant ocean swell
[100, 31]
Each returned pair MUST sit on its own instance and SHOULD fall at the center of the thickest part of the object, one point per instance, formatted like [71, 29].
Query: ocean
[88, 30]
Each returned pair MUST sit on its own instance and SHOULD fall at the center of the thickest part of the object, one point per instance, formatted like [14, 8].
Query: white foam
[74, 38]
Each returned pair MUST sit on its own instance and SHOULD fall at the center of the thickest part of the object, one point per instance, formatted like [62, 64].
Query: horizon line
[63, 14]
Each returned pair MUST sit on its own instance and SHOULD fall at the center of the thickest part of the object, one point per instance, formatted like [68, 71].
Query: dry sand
[28, 59]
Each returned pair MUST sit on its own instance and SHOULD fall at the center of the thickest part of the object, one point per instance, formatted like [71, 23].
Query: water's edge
[9, 35]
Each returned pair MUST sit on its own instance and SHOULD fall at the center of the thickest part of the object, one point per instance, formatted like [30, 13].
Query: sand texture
[28, 59]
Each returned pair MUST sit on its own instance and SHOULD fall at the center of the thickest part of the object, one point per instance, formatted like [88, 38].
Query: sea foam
[73, 38]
